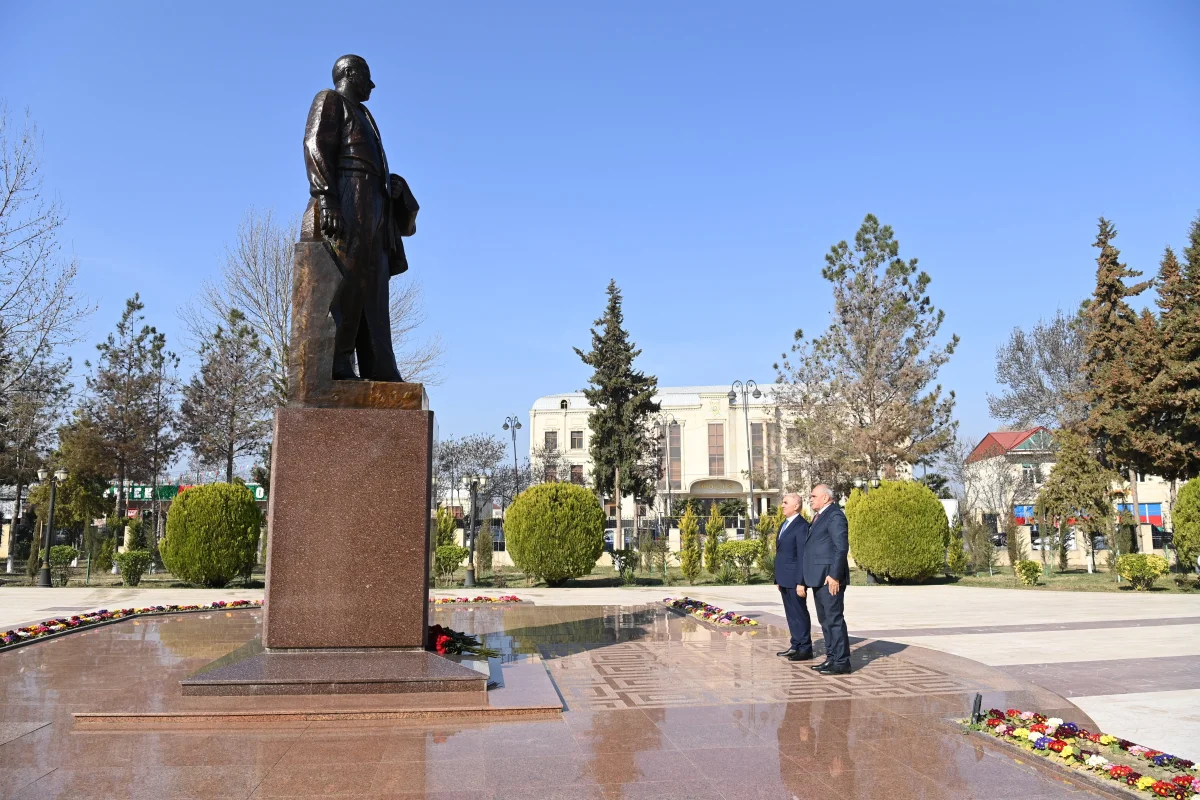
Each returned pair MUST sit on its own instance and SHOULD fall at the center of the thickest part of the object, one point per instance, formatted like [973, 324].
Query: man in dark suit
[789, 577]
[827, 574]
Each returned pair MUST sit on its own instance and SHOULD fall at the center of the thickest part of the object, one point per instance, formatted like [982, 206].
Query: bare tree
[39, 307]
[1042, 374]
[256, 279]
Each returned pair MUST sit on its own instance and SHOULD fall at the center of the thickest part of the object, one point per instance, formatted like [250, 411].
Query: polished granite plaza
[656, 705]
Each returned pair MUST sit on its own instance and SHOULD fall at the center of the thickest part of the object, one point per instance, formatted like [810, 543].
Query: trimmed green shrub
[742, 554]
[133, 565]
[714, 537]
[1142, 569]
[135, 534]
[34, 563]
[956, 554]
[485, 548]
[445, 527]
[689, 546]
[104, 555]
[1030, 572]
[1187, 525]
[448, 558]
[898, 531]
[555, 532]
[768, 528]
[212, 534]
[61, 556]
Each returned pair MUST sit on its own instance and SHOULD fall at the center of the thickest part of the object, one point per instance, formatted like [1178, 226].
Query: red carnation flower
[442, 643]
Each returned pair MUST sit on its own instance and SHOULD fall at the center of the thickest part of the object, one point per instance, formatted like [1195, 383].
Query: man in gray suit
[789, 577]
[827, 574]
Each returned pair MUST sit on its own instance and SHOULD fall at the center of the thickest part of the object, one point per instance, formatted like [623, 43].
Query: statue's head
[354, 72]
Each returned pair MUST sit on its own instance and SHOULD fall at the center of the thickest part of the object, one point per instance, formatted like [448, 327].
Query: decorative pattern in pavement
[669, 674]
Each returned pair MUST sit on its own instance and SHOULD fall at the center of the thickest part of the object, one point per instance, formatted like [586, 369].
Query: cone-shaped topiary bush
[212, 534]
[1187, 525]
[898, 531]
[555, 532]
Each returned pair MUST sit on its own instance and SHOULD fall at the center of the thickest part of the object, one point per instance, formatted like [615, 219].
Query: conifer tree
[1078, 488]
[1173, 393]
[689, 546]
[225, 406]
[622, 400]
[1116, 361]
[876, 401]
[714, 535]
[120, 389]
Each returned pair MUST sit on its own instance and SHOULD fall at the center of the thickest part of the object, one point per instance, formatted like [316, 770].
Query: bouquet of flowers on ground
[447, 642]
[504, 598]
[704, 611]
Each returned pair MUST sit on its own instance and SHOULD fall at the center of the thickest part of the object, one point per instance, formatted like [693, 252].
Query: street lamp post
[513, 424]
[867, 485]
[59, 475]
[667, 421]
[469, 534]
[733, 392]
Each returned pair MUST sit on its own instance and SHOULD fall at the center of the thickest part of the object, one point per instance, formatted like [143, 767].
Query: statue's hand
[332, 224]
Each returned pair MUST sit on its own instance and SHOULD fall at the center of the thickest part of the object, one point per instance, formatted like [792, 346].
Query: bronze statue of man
[363, 211]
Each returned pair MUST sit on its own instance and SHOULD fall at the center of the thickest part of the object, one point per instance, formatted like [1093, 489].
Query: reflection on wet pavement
[657, 706]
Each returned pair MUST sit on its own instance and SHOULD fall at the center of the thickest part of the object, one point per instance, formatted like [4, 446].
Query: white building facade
[711, 446]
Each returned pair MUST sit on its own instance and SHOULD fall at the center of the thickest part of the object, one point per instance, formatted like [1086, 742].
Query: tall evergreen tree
[878, 360]
[1173, 401]
[226, 405]
[1115, 367]
[622, 400]
[162, 441]
[119, 390]
[1078, 488]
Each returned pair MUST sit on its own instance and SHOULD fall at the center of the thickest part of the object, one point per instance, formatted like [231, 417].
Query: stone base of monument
[253, 670]
[348, 564]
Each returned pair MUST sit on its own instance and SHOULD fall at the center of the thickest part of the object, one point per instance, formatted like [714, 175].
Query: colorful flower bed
[1101, 754]
[445, 642]
[52, 626]
[504, 598]
[704, 611]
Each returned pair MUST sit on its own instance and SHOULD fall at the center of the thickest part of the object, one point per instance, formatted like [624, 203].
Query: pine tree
[1115, 362]
[875, 402]
[120, 389]
[1078, 488]
[1173, 394]
[622, 400]
[225, 407]
[714, 535]
[689, 546]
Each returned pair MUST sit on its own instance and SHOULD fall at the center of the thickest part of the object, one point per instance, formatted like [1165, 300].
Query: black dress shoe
[833, 670]
[786, 653]
[820, 666]
[801, 655]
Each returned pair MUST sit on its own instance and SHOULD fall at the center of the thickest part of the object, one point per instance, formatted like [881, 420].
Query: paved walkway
[1121, 657]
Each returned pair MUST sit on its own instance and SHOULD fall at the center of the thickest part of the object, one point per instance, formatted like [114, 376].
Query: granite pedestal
[348, 558]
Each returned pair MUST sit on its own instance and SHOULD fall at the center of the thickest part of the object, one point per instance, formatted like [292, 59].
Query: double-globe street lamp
[733, 393]
[513, 424]
[58, 477]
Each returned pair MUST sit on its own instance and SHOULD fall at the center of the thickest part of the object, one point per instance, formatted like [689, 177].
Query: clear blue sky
[704, 156]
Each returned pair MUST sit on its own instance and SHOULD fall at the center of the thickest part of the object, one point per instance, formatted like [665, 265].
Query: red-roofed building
[1005, 473]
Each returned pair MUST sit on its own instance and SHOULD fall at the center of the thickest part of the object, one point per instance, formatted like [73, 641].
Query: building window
[757, 462]
[577, 474]
[563, 404]
[716, 448]
[674, 457]
[576, 440]
[551, 440]
[550, 474]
